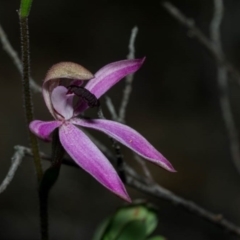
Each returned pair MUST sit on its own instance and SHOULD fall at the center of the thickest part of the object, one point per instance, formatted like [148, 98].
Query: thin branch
[162, 193]
[216, 24]
[111, 108]
[140, 183]
[145, 169]
[222, 78]
[15, 58]
[16, 161]
[131, 46]
[200, 36]
[129, 79]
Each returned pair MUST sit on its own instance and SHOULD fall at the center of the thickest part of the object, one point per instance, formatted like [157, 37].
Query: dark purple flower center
[84, 94]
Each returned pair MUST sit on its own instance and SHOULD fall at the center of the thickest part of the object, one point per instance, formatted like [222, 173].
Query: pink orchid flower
[76, 143]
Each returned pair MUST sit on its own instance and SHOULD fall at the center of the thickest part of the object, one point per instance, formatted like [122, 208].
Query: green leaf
[157, 238]
[151, 222]
[137, 212]
[125, 221]
[133, 230]
[123, 217]
[99, 233]
[25, 8]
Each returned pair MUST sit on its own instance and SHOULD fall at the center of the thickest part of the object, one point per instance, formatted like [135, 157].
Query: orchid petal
[106, 77]
[110, 74]
[67, 70]
[62, 102]
[128, 137]
[44, 129]
[91, 159]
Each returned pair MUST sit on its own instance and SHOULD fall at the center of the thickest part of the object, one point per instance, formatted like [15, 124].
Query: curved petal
[43, 129]
[91, 159]
[67, 70]
[110, 74]
[128, 137]
[62, 102]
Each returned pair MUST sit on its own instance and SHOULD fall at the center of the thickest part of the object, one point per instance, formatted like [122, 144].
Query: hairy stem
[27, 100]
[27, 96]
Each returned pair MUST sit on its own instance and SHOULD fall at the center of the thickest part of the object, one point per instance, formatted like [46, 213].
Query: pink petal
[62, 102]
[110, 74]
[128, 137]
[43, 129]
[91, 159]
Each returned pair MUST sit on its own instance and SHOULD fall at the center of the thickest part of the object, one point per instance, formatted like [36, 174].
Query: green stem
[25, 8]
[27, 96]
[49, 178]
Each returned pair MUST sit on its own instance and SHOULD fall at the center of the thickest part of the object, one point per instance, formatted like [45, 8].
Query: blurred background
[174, 104]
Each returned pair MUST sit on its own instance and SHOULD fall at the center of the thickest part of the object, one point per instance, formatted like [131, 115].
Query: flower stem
[27, 99]
[25, 8]
[49, 178]
[27, 96]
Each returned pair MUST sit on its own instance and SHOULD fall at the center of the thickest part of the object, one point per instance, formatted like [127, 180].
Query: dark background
[174, 104]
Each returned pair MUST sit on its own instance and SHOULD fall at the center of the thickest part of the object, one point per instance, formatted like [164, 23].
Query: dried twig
[111, 108]
[15, 58]
[141, 183]
[16, 161]
[162, 193]
[129, 78]
[222, 78]
[145, 169]
[213, 45]
[200, 36]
